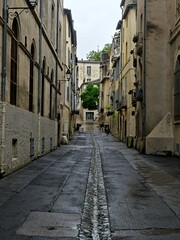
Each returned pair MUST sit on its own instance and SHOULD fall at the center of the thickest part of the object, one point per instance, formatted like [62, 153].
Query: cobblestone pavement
[93, 188]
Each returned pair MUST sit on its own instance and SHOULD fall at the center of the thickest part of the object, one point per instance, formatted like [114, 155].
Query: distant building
[88, 71]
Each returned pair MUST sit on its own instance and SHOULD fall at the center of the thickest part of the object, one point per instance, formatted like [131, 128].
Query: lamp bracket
[12, 14]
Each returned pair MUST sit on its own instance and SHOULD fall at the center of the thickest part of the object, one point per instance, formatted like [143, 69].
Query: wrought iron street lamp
[68, 73]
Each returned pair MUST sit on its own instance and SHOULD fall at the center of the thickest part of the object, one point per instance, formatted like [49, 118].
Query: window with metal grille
[14, 64]
[177, 90]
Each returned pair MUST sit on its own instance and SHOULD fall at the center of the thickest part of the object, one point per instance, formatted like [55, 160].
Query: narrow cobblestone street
[93, 188]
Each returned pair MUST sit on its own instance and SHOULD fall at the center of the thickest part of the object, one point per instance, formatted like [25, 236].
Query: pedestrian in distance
[102, 117]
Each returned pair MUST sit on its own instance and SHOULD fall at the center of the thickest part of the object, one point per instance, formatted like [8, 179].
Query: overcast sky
[95, 22]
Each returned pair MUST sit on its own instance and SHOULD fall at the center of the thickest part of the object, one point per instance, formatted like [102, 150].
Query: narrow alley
[93, 188]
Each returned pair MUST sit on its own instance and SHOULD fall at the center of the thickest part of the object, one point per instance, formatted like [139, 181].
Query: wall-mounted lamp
[68, 74]
[32, 5]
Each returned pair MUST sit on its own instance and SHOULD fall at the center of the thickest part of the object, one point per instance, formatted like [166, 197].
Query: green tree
[107, 48]
[90, 97]
[96, 55]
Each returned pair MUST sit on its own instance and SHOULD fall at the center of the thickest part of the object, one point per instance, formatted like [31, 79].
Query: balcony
[137, 96]
[138, 40]
[122, 104]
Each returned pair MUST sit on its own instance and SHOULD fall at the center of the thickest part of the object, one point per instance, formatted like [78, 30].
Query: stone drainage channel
[95, 218]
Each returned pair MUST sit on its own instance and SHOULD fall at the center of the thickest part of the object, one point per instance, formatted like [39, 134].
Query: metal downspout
[144, 72]
[39, 81]
[3, 84]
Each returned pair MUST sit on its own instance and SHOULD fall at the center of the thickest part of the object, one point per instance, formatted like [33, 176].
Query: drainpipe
[144, 72]
[39, 81]
[3, 83]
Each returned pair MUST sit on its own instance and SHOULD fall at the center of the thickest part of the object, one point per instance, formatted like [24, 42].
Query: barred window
[177, 90]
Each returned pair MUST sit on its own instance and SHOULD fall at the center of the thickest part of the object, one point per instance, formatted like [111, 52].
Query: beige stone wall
[157, 64]
[95, 72]
[154, 76]
[20, 125]
[175, 52]
[128, 71]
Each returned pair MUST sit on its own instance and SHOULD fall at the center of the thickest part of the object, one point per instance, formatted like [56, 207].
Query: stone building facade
[153, 86]
[147, 71]
[155, 61]
[174, 40]
[31, 60]
[68, 87]
[127, 70]
[88, 71]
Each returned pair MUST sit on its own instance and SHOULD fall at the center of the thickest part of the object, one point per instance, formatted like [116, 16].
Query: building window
[177, 90]
[89, 115]
[52, 23]
[50, 104]
[31, 79]
[31, 147]
[69, 57]
[42, 88]
[14, 149]
[126, 52]
[14, 64]
[88, 80]
[89, 70]
[68, 93]
[69, 31]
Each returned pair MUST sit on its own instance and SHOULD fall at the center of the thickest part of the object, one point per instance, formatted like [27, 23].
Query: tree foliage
[96, 55]
[90, 97]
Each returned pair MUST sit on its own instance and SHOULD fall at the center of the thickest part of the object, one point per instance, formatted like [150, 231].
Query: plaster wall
[128, 72]
[21, 126]
[83, 76]
[158, 84]
[174, 17]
